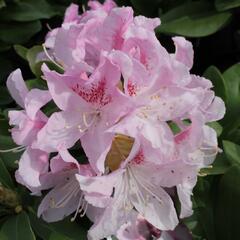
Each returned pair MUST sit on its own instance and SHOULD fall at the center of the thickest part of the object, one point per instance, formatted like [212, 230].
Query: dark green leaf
[227, 207]
[5, 97]
[213, 74]
[232, 152]
[66, 228]
[223, 5]
[2, 4]
[232, 84]
[36, 83]
[58, 236]
[145, 7]
[6, 67]
[21, 51]
[202, 197]
[220, 166]
[5, 178]
[193, 19]
[32, 57]
[4, 46]
[17, 33]
[27, 10]
[10, 158]
[17, 228]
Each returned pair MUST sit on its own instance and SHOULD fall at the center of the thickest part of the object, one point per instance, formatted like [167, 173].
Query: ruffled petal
[17, 87]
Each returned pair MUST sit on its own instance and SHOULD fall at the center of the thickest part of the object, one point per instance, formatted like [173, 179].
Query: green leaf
[5, 97]
[146, 8]
[223, 5]
[4, 46]
[27, 10]
[232, 152]
[202, 197]
[9, 158]
[4, 126]
[66, 228]
[58, 236]
[17, 228]
[36, 83]
[220, 166]
[212, 73]
[17, 33]
[227, 210]
[193, 19]
[2, 4]
[21, 51]
[6, 67]
[5, 178]
[31, 57]
[232, 84]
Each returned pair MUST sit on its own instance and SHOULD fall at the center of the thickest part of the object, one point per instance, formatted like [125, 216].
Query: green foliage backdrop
[213, 26]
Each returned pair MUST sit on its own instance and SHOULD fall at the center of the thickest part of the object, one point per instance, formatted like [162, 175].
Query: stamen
[15, 150]
[50, 58]
[77, 210]
[83, 8]
[48, 27]
[85, 210]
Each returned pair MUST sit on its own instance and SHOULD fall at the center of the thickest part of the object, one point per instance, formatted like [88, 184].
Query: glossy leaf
[17, 228]
[5, 178]
[232, 152]
[10, 158]
[21, 51]
[27, 10]
[232, 83]
[5, 97]
[2, 4]
[17, 33]
[212, 73]
[223, 5]
[193, 19]
[227, 208]
[219, 166]
[66, 228]
[31, 57]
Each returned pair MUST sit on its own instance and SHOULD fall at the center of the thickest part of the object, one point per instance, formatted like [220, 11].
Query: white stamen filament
[83, 8]
[80, 202]
[14, 150]
[50, 58]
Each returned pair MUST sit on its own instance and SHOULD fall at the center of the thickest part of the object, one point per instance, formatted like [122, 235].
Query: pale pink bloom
[139, 184]
[90, 105]
[107, 5]
[27, 124]
[29, 121]
[33, 163]
[65, 196]
[137, 228]
[184, 51]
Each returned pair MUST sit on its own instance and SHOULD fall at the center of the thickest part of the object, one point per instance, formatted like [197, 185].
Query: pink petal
[32, 164]
[17, 87]
[184, 51]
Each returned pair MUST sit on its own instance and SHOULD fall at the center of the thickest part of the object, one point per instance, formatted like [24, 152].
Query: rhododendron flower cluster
[135, 110]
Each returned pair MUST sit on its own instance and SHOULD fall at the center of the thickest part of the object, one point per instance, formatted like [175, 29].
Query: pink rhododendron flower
[66, 196]
[27, 123]
[134, 110]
